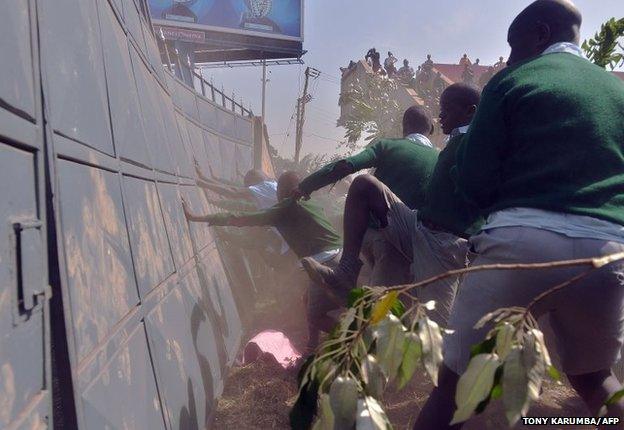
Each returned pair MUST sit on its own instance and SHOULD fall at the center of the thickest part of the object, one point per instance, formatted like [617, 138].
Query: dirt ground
[260, 395]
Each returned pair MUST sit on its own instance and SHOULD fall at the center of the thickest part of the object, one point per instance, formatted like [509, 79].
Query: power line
[324, 137]
[325, 111]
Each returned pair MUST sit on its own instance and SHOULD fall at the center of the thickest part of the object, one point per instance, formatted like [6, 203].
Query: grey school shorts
[320, 301]
[586, 318]
[387, 265]
[430, 252]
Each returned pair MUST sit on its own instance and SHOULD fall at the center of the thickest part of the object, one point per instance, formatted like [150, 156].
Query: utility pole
[301, 102]
[264, 82]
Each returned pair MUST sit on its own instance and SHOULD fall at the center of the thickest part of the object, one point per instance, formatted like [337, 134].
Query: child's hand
[185, 208]
[297, 194]
[197, 168]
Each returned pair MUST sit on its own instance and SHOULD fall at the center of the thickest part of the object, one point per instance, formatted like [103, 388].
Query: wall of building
[97, 143]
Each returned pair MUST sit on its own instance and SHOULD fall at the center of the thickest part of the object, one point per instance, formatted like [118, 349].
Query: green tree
[605, 48]
[375, 113]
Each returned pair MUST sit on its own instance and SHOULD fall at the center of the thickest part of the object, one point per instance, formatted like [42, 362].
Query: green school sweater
[548, 134]
[445, 205]
[402, 165]
[302, 224]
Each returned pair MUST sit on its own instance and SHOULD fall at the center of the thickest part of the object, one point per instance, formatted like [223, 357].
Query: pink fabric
[278, 345]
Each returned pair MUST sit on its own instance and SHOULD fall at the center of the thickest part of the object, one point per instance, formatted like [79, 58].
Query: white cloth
[568, 47]
[265, 194]
[419, 138]
[570, 225]
[459, 130]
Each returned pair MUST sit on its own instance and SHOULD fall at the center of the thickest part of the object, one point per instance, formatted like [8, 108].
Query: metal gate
[96, 133]
[24, 330]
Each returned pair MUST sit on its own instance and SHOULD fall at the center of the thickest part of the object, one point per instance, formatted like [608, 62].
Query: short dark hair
[417, 119]
[463, 94]
[253, 177]
[286, 184]
[562, 17]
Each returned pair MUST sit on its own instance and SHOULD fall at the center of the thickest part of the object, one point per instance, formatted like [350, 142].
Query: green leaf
[534, 364]
[540, 344]
[343, 397]
[515, 387]
[554, 373]
[615, 397]
[431, 340]
[323, 370]
[374, 377]
[484, 347]
[497, 392]
[390, 336]
[354, 295]
[371, 416]
[325, 420]
[382, 307]
[412, 351]
[504, 339]
[474, 385]
[345, 322]
[398, 309]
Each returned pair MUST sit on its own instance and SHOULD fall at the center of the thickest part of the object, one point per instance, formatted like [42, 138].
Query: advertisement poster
[274, 18]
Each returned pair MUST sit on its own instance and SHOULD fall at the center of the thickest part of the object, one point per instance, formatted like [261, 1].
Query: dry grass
[260, 395]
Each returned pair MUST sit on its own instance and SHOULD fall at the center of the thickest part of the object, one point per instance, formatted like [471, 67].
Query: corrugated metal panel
[150, 319]
[25, 399]
[17, 86]
[76, 88]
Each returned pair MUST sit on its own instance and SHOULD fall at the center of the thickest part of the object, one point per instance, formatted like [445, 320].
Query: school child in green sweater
[431, 237]
[544, 161]
[404, 166]
[307, 232]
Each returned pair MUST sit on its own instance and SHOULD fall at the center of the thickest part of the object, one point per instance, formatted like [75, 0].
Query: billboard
[276, 19]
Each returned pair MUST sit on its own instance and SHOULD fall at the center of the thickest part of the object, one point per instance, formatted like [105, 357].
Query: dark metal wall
[93, 129]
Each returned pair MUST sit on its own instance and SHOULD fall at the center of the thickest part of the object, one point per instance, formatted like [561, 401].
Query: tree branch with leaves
[606, 48]
[375, 114]
[385, 335]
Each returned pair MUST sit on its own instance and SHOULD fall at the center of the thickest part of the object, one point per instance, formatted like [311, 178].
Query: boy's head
[416, 119]
[541, 24]
[253, 177]
[458, 104]
[287, 183]
[406, 62]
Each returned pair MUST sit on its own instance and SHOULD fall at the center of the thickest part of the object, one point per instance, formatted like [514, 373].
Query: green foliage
[605, 48]
[511, 363]
[616, 397]
[375, 113]
[372, 349]
[365, 358]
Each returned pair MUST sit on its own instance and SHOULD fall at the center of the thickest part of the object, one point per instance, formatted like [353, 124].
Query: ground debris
[257, 396]
[260, 395]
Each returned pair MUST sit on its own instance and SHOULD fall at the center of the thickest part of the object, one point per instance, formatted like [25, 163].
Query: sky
[336, 31]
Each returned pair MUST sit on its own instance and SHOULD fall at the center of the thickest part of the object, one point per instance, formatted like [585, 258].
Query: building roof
[453, 72]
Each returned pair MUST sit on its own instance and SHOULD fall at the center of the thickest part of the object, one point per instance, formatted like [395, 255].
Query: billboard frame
[217, 29]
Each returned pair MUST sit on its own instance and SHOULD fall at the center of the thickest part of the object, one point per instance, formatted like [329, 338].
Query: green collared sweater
[402, 165]
[302, 224]
[445, 205]
[548, 134]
